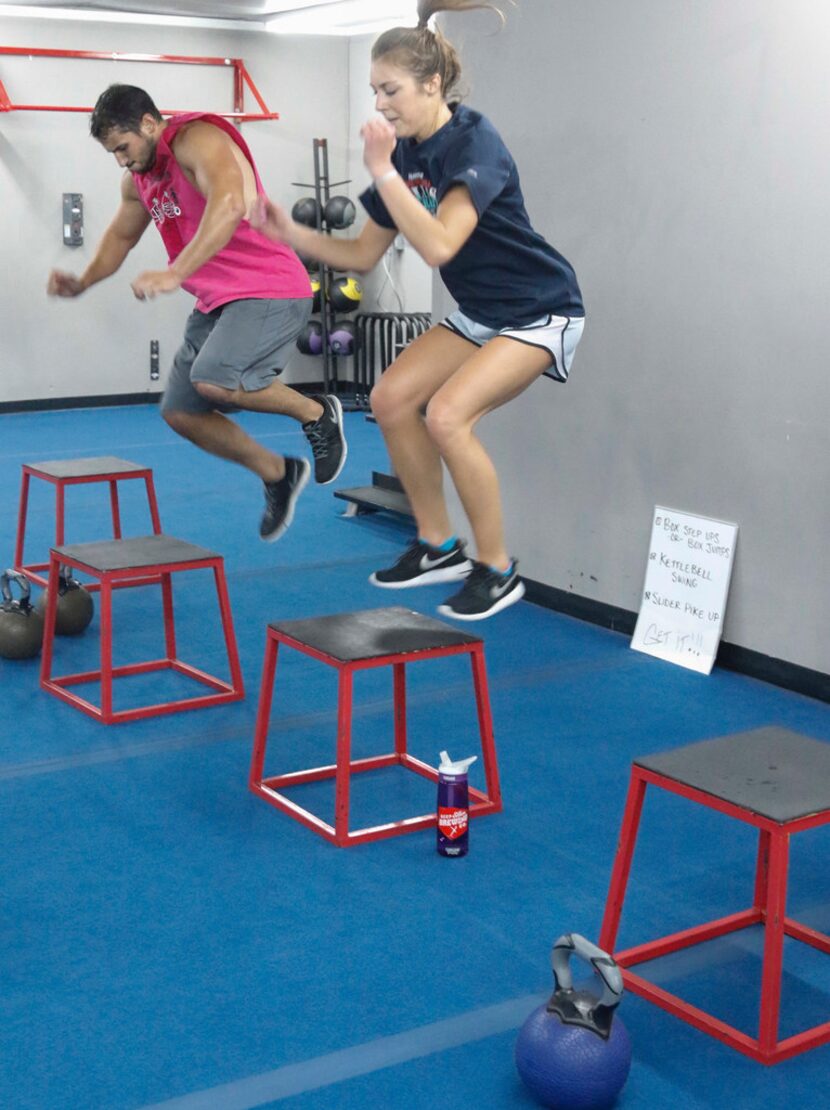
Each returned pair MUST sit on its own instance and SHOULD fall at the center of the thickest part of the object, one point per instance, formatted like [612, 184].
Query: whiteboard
[686, 586]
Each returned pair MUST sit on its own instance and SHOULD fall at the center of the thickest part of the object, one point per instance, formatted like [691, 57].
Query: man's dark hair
[121, 108]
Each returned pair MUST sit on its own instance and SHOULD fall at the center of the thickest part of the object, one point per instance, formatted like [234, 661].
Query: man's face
[134, 150]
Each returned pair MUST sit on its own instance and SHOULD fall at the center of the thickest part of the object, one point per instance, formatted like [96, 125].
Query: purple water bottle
[453, 806]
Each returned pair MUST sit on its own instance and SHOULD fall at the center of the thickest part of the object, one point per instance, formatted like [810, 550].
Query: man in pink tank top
[194, 177]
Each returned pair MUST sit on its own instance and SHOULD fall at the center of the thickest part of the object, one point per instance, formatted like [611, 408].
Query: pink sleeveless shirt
[249, 265]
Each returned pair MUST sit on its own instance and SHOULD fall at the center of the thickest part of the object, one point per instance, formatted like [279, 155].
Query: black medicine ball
[305, 211]
[340, 212]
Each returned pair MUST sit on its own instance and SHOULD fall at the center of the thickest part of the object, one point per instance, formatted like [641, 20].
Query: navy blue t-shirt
[506, 274]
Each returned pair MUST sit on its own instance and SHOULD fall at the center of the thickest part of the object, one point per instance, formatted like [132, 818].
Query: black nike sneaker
[422, 564]
[328, 443]
[280, 498]
[485, 592]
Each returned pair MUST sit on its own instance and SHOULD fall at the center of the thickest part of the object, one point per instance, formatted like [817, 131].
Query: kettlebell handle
[9, 576]
[604, 967]
[65, 579]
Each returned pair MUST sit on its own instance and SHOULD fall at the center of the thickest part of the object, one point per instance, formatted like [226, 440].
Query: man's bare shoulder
[198, 134]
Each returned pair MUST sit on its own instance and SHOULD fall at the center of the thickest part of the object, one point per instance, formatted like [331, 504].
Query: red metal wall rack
[241, 79]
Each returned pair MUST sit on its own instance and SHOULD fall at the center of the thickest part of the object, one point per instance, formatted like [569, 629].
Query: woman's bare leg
[398, 401]
[493, 375]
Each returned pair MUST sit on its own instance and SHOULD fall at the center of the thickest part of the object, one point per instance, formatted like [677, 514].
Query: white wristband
[385, 177]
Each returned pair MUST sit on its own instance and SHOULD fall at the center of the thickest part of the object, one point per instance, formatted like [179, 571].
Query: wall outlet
[73, 219]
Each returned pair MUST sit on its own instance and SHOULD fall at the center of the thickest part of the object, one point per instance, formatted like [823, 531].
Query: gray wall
[678, 154]
[99, 344]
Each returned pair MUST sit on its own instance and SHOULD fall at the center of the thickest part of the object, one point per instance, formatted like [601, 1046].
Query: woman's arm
[436, 238]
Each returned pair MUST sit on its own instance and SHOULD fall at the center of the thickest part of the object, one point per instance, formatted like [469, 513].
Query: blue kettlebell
[572, 1052]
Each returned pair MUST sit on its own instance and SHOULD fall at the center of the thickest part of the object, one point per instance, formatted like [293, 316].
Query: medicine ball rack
[322, 186]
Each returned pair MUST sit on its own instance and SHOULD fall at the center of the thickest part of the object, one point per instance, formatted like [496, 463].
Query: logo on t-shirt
[165, 207]
[423, 189]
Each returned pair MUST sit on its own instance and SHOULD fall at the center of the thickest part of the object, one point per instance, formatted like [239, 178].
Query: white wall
[678, 154]
[99, 344]
[402, 271]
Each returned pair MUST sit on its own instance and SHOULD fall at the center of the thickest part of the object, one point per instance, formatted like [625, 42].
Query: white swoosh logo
[427, 563]
[498, 591]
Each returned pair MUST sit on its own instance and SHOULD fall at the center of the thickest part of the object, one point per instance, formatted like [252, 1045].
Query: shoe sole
[428, 578]
[343, 457]
[502, 603]
[289, 513]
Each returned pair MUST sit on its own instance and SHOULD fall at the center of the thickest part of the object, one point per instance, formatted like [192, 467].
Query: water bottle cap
[459, 767]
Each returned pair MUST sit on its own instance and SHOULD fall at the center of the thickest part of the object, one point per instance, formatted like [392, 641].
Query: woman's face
[410, 106]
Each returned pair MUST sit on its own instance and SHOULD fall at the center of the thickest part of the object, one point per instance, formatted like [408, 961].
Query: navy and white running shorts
[559, 335]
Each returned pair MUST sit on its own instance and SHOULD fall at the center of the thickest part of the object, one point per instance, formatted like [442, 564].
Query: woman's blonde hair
[423, 52]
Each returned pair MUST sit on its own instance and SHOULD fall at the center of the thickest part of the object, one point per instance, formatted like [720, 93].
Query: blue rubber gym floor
[168, 939]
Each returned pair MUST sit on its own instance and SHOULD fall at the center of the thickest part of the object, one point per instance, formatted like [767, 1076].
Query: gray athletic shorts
[240, 345]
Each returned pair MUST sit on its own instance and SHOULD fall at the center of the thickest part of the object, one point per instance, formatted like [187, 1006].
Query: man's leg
[193, 416]
[238, 368]
[321, 418]
[216, 434]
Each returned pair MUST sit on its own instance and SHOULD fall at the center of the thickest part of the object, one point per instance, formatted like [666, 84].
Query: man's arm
[206, 156]
[128, 225]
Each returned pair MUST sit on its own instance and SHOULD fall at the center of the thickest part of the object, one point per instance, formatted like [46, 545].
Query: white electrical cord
[389, 280]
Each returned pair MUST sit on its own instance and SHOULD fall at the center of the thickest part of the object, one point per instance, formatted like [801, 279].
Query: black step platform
[370, 633]
[384, 495]
[772, 772]
[85, 468]
[135, 553]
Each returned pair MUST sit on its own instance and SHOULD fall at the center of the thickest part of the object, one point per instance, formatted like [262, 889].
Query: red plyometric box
[776, 781]
[141, 561]
[62, 473]
[352, 642]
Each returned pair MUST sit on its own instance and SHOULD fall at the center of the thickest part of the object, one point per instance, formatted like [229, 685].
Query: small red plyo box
[777, 781]
[352, 642]
[72, 472]
[141, 561]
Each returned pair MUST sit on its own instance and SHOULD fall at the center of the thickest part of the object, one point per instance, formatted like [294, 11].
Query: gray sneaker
[280, 498]
[328, 443]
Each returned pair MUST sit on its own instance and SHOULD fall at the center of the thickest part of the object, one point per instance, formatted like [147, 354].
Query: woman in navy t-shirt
[443, 178]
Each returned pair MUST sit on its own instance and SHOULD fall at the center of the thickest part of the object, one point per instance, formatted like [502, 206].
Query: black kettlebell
[21, 626]
[75, 607]
[339, 212]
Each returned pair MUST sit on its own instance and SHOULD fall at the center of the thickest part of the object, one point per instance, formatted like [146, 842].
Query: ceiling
[256, 10]
[302, 16]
